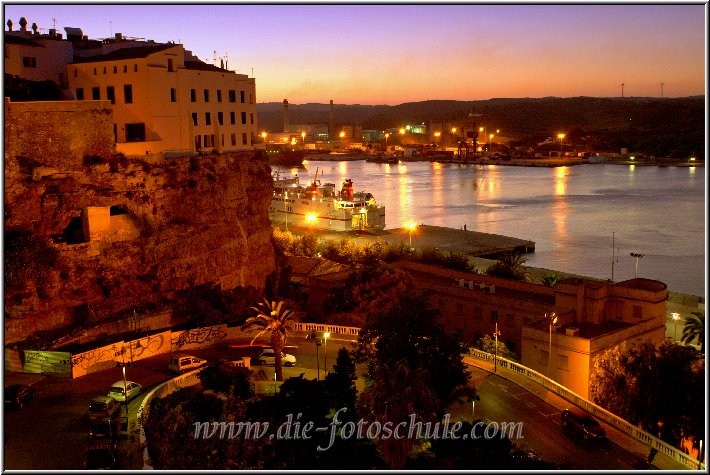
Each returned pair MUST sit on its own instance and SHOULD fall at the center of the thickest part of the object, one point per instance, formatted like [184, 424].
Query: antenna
[252, 72]
[215, 57]
[54, 23]
[110, 27]
[661, 89]
[622, 89]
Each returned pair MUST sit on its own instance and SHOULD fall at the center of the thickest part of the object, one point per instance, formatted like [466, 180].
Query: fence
[590, 407]
[324, 327]
[168, 387]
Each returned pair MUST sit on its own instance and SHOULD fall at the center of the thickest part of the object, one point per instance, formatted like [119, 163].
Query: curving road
[49, 432]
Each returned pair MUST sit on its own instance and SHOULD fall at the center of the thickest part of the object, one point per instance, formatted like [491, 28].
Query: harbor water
[573, 214]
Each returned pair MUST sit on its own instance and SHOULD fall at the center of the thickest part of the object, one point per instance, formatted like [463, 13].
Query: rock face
[89, 234]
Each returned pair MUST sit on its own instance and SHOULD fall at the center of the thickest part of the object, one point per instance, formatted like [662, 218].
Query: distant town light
[401, 131]
[342, 134]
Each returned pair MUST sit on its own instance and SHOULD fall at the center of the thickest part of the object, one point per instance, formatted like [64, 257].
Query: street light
[411, 227]
[490, 142]
[263, 137]
[637, 256]
[326, 335]
[561, 137]
[303, 139]
[386, 137]
[437, 135]
[676, 317]
[552, 318]
[495, 358]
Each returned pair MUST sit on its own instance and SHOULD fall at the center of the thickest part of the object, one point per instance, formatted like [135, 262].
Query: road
[49, 432]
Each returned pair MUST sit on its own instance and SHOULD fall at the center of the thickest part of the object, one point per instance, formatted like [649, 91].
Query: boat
[324, 206]
[286, 158]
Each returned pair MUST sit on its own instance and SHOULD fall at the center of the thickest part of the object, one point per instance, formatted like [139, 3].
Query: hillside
[655, 126]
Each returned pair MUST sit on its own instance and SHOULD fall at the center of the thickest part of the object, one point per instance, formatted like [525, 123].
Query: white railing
[168, 387]
[597, 411]
[324, 327]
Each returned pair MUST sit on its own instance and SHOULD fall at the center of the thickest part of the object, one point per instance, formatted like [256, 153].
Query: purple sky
[389, 54]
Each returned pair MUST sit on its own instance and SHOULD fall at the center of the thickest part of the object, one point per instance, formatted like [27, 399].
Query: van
[182, 363]
[103, 409]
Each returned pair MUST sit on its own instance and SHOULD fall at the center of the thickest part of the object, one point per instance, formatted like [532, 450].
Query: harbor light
[411, 227]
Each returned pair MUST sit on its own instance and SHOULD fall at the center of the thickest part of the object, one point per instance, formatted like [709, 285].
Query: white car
[117, 390]
[181, 363]
[268, 357]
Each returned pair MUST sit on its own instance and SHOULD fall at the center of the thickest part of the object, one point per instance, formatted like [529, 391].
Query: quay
[471, 243]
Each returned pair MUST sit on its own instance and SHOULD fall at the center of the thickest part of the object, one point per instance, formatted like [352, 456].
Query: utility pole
[661, 90]
[622, 89]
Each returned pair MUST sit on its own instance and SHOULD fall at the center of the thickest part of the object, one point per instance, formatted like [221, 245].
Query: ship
[324, 206]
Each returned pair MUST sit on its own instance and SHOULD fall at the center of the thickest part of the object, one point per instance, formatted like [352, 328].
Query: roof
[19, 40]
[643, 284]
[200, 66]
[125, 53]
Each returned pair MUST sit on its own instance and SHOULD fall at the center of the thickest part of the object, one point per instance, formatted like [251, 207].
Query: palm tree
[694, 328]
[273, 318]
[509, 266]
[394, 394]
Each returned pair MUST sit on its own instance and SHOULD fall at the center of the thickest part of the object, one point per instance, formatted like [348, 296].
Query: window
[111, 94]
[76, 72]
[115, 133]
[115, 70]
[232, 118]
[494, 315]
[244, 117]
[562, 362]
[194, 118]
[80, 94]
[222, 140]
[128, 93]
[244, 138]
[251, 118]
[251, 99]
[209, 140]
[135, 68]
[173, 95]
[125, 68]
[94, 71]
[241, 96]
[198, 141]
[207, 95]
[171, 66]
[219, 95]
[135, 132]
[96, 93]
[208, 119]
[193, 95]
[232, 95]
[220, 118]
[234, 139]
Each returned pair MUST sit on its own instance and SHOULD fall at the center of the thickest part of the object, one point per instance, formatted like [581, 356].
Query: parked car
[103, 410]
[181, 363]
[105, 429]
[18, 395]
[582, 423]
[100, 454]
[117, 390]
[268, 357]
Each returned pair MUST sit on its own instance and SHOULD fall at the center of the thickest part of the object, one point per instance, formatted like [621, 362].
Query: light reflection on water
[570, 212]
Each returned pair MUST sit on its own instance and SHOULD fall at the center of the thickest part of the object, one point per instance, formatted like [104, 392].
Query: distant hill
[655, 126]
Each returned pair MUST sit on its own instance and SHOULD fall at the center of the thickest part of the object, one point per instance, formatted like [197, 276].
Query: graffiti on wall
[89, 359]
[199, 336]
[47, 362]
[148, 346]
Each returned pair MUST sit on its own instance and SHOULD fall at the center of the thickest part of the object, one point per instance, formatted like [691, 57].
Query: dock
[471, 243]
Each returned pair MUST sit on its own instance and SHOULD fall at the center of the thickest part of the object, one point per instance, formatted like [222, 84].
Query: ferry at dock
[324, 206]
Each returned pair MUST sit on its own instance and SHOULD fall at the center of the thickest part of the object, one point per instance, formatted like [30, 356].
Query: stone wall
[181, 223]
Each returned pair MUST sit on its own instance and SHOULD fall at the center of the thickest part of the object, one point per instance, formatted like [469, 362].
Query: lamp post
[437, 135]
[637, 256]
[317, 342]
[561, 137]
[495, 358]
[123, 365]
[326, 335]
[676, 317]
[303, 139]
[411, 227]
[552, 318]
[386, 137]
[263, 136]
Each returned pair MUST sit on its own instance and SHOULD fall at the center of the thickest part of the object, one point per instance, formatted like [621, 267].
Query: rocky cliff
[90, 235]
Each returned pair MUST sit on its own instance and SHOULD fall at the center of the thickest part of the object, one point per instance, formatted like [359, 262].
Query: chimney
[286, 116]
[119, 37]
[331, 126]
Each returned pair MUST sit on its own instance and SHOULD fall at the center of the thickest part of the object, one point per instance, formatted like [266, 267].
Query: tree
[272, 318]
[551, 279]
[226, 378]
[510, 266]
[407, 329]
[397, 392]
[660, 387]
[340, 385]
[488, 344]
[694, 329]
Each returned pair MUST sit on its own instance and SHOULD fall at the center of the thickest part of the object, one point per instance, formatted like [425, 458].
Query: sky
[391, 54]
